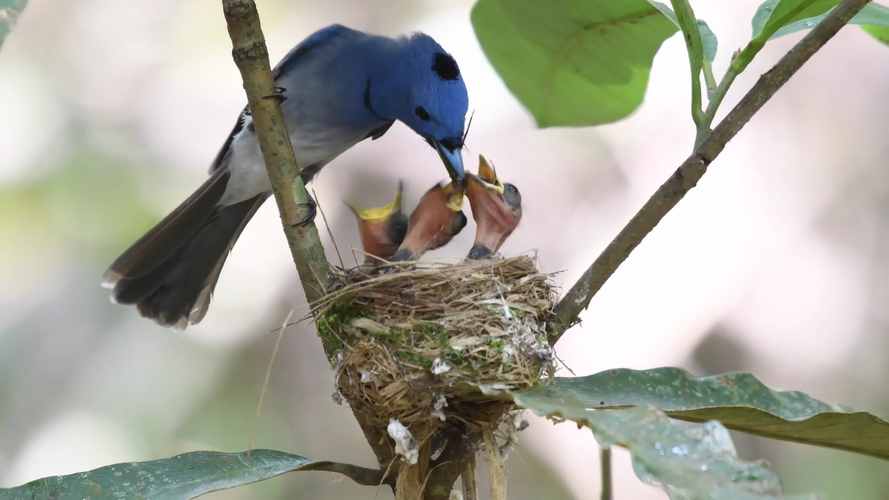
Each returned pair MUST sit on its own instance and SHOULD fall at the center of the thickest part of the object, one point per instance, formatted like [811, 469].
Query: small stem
[695, 48]
[605, 464]
[739, 63]
[743, 58]
[718, 95]
[709, 80]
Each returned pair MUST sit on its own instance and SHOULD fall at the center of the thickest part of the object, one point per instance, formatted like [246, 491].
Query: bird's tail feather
[171, 271]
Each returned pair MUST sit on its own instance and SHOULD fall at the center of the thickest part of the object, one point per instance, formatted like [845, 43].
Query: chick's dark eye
[421, 113]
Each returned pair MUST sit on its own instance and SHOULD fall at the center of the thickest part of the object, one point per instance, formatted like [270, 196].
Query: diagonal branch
[693, 168]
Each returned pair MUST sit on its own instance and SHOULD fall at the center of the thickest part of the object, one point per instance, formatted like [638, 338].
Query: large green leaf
[572, 62]
[772, 15]
[738, 400]
[9, 11]
[690, 461]
[183, 476]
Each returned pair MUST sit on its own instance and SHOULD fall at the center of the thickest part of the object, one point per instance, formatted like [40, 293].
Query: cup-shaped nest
[423, 343]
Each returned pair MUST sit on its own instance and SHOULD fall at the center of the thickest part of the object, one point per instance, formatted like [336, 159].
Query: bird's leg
[280, 94]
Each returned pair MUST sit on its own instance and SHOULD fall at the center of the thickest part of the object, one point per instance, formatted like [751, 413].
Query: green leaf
[572, 62]
[772, 15]
[738, 400]
[708, 38]
[881, 33]
[9, 12]
[183, 476]
[690, 461]
[873, 18]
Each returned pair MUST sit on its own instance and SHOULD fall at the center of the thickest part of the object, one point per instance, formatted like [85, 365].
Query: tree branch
[251, 56]
[693, 168]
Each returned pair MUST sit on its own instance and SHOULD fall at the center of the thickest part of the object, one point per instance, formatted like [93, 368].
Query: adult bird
[339, 86]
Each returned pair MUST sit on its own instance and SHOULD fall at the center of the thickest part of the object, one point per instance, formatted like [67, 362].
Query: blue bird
[340, 86]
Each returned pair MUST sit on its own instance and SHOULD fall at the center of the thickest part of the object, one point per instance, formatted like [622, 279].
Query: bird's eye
[421, 113]
[451, 143]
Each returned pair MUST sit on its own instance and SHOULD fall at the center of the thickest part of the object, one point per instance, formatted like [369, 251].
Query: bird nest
[424, 343]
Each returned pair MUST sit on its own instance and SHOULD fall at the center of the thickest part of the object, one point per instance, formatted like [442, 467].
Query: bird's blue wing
[294, 56]
[312, 42]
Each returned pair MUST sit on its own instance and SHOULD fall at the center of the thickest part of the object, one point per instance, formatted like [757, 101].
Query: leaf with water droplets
[183, 476]
[689, 461]
[738, 400]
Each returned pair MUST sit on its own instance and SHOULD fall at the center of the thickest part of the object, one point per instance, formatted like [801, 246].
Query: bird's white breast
[316, 145]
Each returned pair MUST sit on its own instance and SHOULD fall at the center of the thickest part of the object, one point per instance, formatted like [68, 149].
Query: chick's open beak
[436, 220]
[382, 229]
[496, 208]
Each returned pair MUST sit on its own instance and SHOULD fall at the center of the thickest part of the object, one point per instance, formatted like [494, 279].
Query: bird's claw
[280, 94]
[311, 211]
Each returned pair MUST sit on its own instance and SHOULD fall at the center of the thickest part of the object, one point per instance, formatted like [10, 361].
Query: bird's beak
[436, 220]
[452, 159]
[496, 208]
[382, 229]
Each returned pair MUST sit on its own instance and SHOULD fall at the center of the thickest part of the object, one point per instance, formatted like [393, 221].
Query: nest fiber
[423, 343]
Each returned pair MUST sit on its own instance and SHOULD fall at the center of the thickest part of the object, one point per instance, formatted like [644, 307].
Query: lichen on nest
[422, 343]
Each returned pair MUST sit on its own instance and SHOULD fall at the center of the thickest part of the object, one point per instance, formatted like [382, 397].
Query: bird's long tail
[169, 274]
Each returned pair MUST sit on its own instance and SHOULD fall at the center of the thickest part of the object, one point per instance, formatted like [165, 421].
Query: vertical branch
[252, 58]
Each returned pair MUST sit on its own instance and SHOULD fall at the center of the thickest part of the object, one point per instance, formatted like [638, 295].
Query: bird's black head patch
[445, 67]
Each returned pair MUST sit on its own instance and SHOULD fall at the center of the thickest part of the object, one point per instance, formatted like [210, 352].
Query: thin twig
[693, 168]
[336, 247]
[268, 371]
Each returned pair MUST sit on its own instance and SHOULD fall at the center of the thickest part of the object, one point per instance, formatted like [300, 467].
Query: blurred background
[775, 263]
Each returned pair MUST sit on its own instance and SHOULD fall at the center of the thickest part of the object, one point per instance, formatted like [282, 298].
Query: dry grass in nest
[422, 343]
